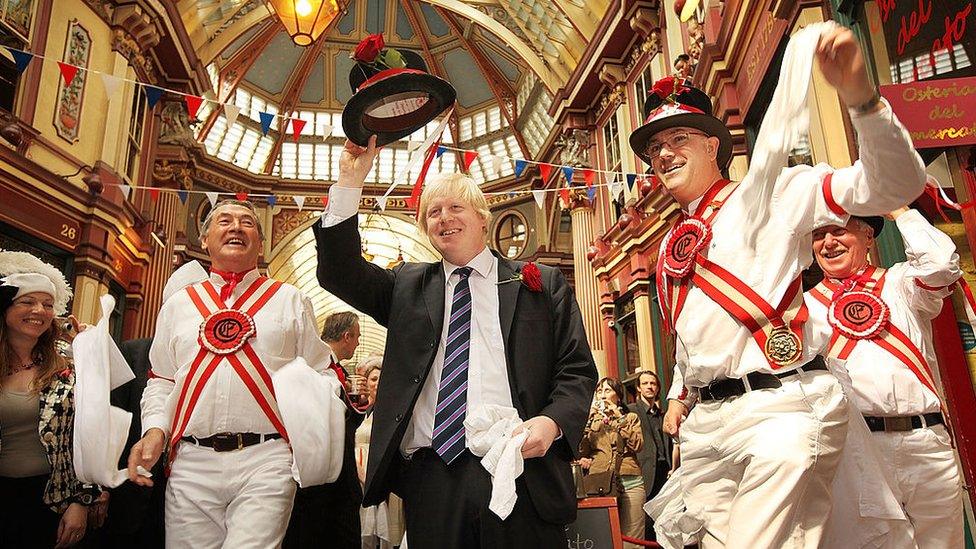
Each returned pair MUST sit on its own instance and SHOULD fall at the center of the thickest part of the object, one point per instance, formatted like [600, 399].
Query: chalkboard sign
[597, 525]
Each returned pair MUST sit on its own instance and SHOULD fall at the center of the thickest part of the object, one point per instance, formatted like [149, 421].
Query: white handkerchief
[489, 431]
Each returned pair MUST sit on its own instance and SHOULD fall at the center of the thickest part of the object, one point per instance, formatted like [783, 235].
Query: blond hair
[453, 185]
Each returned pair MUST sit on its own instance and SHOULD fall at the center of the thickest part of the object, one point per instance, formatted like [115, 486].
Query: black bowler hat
[673, 102]
[393, 94]
[876, 222]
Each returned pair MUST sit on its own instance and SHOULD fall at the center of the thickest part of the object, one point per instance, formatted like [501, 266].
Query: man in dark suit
[474, 329]
[655, 454]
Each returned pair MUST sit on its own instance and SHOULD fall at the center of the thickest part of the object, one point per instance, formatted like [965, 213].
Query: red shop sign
[937, 113]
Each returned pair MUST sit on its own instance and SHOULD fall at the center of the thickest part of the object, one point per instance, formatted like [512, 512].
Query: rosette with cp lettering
[687, 239]
[226, 331]
[859, 315]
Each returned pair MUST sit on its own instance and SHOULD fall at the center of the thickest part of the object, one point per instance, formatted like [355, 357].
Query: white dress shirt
[285, 329]
[883, 385]
[765, 241]
[487, 368]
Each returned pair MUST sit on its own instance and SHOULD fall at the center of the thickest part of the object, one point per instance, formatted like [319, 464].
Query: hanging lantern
[304, 20]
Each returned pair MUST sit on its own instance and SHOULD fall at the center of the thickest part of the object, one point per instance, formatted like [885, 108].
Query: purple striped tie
[452, 393]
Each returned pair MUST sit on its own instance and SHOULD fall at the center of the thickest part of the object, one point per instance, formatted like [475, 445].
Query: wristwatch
[868, 105]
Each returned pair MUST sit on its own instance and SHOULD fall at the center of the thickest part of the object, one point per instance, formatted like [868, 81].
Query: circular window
[511, 234]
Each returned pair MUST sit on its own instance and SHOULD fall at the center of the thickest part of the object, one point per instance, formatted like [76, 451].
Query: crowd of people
[250, 433]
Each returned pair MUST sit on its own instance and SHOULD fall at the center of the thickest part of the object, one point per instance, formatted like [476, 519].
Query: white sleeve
[155, 407]
[933, 264]
[343, 204]
[678, 391]
[311, 347]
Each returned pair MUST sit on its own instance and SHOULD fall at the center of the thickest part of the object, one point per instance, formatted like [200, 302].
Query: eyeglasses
[676, 141]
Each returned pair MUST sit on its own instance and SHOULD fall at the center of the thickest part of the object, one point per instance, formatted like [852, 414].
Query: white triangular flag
[540, 197]
[111, 84]
[381, 202]
[615, 189]
[125, 190]
[231, 111]
[212, 197]
[326, 130]
[496, 164]
[412, 145]
[300, 200]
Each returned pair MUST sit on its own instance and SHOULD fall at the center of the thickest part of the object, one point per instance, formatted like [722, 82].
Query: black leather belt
[732, 387]
[226, 442]
[903, 423]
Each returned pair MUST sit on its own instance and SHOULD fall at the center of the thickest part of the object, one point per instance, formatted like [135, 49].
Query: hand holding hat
[355, 162]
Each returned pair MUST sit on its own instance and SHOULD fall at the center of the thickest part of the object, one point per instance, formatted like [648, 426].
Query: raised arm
[933, 264]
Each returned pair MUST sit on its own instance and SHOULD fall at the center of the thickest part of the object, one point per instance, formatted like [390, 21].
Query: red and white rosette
[226, 331]
[859, 315]
[687, 239]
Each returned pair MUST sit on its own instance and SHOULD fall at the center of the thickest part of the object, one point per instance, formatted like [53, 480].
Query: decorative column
[587, 292]
[645, 329]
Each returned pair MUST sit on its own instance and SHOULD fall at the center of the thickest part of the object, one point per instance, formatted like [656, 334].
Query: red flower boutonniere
[668, 88]
[64, 374]
[529, 276]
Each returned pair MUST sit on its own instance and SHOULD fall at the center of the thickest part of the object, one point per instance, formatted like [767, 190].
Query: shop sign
[43, 222]
[918, 32]
[937, 113]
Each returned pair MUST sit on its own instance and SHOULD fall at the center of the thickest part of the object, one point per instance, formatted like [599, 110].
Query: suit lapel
[434, 297]
[507, 296]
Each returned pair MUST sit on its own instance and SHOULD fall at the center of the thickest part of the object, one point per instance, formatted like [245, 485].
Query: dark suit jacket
[550, 367]
[657, 447]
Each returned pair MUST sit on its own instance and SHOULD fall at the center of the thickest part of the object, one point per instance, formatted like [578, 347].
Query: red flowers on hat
[668, 88]
[369, 48]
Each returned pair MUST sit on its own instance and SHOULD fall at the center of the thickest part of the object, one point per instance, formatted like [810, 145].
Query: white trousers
[237, 499]
[924, 467]
[760, 466]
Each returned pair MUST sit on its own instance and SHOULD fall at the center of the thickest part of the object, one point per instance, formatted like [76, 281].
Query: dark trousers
[446, 507]
[325, 516]
[25, 522]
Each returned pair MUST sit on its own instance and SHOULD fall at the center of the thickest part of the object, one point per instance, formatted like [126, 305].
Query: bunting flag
[183, 195]
[412, 145]
[297, 125]
[591, 193]
[469, 157]
[588, 176]
[440, 150]
[568, 172]
[512, 194]
[266, 119]
[126, 190]
[21, 59]
[231, 112]
[111, 84]
[153, 94]
[545, 170]
[154, 194]
[326, 131]
[68, 72]
[496, 165]
[272, 200]
[616, 188]
[540, 197]
[212, 197]
[325, 201]
[381, 203]
[299, 201]
[413, 201]
[631, 178]
[241, 196]
[564, 194]
[192, 105]
[520, 167]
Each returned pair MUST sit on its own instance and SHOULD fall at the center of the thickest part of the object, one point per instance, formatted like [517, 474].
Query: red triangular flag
[296, 127]
[154, 194]
[411, 202]
[564, 193]
[68, 72]
[545, 170]
[588, 177]
[325, 201]
[192, 105]
[469, 157]
[241, 196]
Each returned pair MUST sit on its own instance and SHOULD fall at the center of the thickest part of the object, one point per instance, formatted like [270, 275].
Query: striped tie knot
[463, 272]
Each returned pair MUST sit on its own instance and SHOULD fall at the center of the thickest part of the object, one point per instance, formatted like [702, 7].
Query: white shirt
[765, 241]
[487, 367]
[285, 329]
[883, 385]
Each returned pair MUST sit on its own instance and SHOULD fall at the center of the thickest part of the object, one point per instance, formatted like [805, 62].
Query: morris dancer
[210, 397]
[881, 326]
[757, 465]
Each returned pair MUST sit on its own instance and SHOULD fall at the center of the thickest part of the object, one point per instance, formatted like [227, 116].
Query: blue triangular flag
[21, 58]
[183, 195]
[266, 119]
[591, 193]
[272, 200]
[440, 150]
[568, 172]
[519, 167]
[153, 94]
[511, 194]
[631, 177]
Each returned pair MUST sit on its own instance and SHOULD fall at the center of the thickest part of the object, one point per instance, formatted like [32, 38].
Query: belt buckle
[226, 442]
[898, 424]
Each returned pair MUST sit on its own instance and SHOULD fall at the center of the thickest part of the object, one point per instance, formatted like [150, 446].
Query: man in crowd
[655, 454]
[472, 330]
[331, 511]
[729, 283]
[682, 67]
[879, 323]
[210, 400]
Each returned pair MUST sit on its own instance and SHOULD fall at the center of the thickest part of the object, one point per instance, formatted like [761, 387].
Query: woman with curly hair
[45, 503]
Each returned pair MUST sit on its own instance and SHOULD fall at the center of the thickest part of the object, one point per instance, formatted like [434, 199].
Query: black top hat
[675, 103]
[876, 222]
[393, 102]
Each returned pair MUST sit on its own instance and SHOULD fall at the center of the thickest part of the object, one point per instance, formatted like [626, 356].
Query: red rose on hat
[369, 48]
[668, 88]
